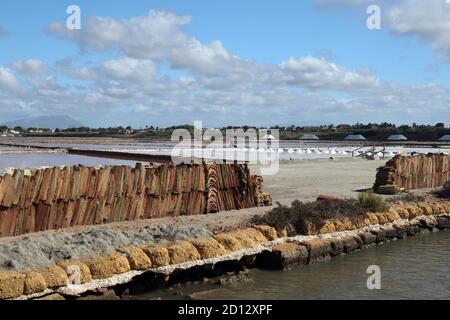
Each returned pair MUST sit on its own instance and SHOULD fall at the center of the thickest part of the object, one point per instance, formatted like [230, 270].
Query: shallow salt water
[414, 268]
[22, 161]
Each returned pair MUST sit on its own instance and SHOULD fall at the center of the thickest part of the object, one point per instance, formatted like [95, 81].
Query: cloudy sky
[226, 62]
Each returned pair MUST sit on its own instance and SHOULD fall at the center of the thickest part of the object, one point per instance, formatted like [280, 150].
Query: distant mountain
[50, 122]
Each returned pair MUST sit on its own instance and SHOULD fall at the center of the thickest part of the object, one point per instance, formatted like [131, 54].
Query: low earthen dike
[34, 200]
[258, 246]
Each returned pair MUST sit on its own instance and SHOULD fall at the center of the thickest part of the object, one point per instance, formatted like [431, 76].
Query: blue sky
[382, 69]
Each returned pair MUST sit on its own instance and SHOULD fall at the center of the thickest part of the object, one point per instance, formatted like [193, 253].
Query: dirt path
[306, 179]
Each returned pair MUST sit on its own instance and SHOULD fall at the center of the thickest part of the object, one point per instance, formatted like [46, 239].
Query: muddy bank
[280, 254]
[258, 246]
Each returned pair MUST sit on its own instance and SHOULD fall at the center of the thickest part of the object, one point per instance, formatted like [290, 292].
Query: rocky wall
[258, 246]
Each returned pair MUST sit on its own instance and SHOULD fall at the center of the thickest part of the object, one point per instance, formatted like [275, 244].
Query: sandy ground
[306, 179]
[299, 179]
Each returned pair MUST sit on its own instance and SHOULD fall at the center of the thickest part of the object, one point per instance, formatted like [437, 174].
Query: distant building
[445, 138]
[10, 133]
[397, 137]
[355, 137]
[309, 137]
[36, 131]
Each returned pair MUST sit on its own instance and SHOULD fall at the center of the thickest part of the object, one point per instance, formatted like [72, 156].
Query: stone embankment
[257, 246]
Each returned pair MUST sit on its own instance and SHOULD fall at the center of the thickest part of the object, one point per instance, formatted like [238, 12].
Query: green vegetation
[372, 131]
[300, 215]
[372, 202]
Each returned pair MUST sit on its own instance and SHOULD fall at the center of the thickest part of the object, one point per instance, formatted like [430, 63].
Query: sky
[287, 62]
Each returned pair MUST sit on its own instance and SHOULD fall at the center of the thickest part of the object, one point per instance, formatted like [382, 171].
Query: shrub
[407, 197]
[372, 202]
[444, 192]
[300, 214]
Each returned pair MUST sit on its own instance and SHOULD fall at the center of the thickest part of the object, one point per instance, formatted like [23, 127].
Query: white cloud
[157, 36]
[8, 81]
[30, 67]
[126, 68]
[319, 73]
[429, 20]
[214, 85]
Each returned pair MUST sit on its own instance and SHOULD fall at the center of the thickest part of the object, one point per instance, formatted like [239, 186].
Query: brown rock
[380, 235]
[229, 241]
[429, 222]
[54, 277]
[158, 255]
[249, 238]
[282, 233]
[209, 248]
[319, 250]
[359, 241]
[367, 237]
[382, 218]
[348, 224]
[311, 229]
[52, 297]
[389, 232]
[268, 232]
[338, 225]
[34, 283]
[326, 197]
[137, 258]
[443, 222]
[283, 256]
[440, 208]
[11, 284]
[71, 267]
[108, 295]
[426, 209]
[387, 189]
[402, 229]
[413, 230]
[328, 227]
[350, 244]
[336, 247]
[446, 207]
[182, 251]
[402, 212]
[108, 266]
[393, 215]
[373, 218]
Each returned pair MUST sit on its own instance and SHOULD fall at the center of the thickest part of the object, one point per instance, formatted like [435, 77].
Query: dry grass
[301, 215]
[444, 192]
[372, 202]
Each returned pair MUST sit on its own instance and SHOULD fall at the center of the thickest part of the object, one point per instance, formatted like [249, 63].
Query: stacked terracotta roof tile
[52, 198]
[422, 171]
